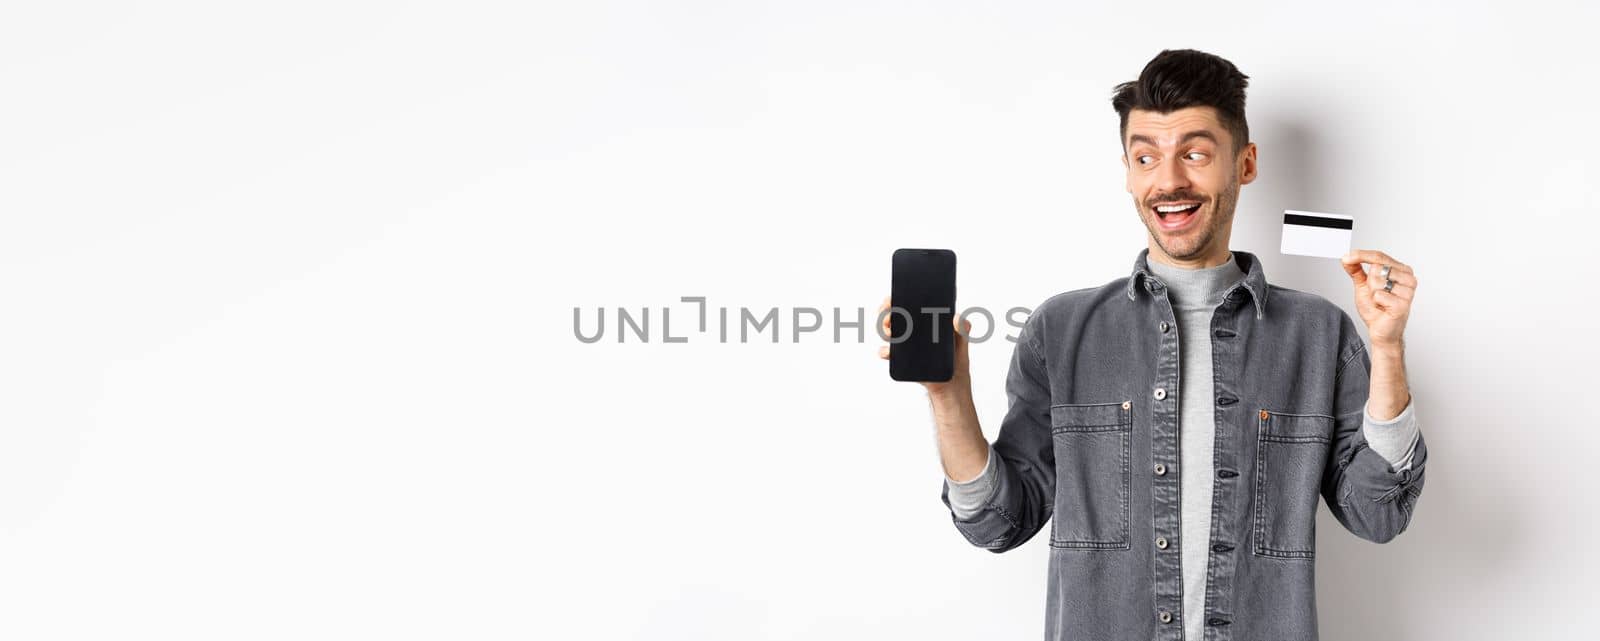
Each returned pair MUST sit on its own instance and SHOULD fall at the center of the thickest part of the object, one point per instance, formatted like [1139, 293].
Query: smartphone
[922, 299]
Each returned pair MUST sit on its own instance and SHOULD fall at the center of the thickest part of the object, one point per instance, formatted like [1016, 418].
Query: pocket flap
[1295, 428]
[1092, 417]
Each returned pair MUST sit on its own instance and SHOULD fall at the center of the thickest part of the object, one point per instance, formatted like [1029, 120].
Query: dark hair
[1179, 78]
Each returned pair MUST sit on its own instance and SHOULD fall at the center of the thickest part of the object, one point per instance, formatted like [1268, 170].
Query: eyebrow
[1199, 133]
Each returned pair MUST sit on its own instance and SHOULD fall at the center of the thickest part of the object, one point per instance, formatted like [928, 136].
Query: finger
[1374, 257]
[883, 352]
[1376, 280]
[1403, 291]
[1402, 282]
[1391, 301]
[1355, 271]
[1395, 265]
[1400, 277]
[963, 329]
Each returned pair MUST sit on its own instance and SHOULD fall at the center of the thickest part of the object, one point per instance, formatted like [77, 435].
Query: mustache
[1176, 197]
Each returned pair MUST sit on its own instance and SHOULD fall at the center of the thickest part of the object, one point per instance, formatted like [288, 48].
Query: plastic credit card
[1310, 233]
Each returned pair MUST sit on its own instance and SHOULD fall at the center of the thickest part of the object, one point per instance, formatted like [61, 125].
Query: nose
[1172, 177]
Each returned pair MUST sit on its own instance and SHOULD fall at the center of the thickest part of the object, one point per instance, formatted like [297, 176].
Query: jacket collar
[1254, 282]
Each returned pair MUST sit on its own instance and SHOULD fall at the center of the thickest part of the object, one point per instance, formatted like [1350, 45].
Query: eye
[1196, 156]
[1141, 159]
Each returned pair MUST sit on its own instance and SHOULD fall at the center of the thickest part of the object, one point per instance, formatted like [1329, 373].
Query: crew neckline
[1198, 285]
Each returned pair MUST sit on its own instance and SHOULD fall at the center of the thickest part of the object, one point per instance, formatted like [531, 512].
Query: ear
[1247, 164]
[1127, 179]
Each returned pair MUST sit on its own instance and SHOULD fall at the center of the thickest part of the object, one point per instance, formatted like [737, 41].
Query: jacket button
[1127, 404]
[1161, 469]
[1161, 542]
[1166, 617]
[1164, 327]
[1263, 415]
[1161, 393]
[1226, 474]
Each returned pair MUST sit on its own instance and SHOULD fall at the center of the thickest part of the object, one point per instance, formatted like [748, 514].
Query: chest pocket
[1093, 446]
[1291, 452]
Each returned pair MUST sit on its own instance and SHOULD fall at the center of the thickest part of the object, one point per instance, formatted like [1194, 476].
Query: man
[1180, 423]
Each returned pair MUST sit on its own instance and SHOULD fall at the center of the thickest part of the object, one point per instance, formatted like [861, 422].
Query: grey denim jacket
[1091, 437]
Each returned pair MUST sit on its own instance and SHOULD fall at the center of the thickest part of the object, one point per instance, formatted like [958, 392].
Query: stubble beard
[1195, 244]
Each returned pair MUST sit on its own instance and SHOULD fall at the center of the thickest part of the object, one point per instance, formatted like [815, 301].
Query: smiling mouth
[1171, 209]
[1177, 214]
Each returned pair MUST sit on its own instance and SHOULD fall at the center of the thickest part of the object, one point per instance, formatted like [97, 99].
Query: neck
[1198, 287]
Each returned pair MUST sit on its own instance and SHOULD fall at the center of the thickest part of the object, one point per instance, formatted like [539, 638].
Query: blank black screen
[925, 288]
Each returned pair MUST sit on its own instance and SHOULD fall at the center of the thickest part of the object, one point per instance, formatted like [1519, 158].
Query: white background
[286, 344]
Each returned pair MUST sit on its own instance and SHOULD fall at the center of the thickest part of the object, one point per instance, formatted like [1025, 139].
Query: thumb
[1353, 269]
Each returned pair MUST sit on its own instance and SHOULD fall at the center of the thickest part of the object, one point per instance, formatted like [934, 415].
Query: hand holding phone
[927, 278]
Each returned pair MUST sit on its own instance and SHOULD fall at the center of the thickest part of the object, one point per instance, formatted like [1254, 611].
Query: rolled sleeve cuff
[967, 498]
[1394, 439]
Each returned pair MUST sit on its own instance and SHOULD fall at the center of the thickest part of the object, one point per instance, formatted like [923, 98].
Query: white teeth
[1167, 209]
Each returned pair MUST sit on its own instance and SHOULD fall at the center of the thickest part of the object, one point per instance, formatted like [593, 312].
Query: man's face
[1185, 161]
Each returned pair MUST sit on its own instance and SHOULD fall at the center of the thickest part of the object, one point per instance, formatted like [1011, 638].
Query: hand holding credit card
[1310, 233]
